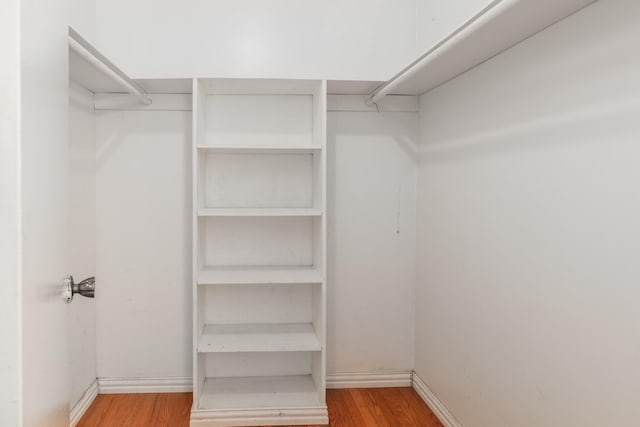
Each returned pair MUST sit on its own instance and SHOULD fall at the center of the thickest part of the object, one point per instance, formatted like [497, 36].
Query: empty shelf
[261, 149]
[258, 276]
[258, 338]
[259, 212]
[259, 392]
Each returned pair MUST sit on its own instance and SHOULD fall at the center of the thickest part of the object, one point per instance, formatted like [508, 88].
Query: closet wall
[372, 198]
[144, 305]
[528, 224]
[81, 163]
[82, 17]
[143, 161]
[82, 238]
[372, 265]
[333, 39]
[437, 18]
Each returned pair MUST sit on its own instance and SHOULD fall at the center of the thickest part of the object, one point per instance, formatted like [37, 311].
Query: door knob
[86, 288]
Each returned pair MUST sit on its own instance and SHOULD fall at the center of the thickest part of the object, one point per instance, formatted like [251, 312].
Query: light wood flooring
[375, 407]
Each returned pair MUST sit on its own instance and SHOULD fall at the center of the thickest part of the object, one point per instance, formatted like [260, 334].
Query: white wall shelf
[258, 149]
[287, 391]
[259, 212]
[259, 276]
[259, 245]
[497, 27]
[93, 71]
[258, 338]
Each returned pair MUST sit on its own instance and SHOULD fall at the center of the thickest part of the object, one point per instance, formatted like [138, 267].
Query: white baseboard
[369, 380]
[83, 404]
[145, 385]
[259, 417]
[184, 384]
[434, 403]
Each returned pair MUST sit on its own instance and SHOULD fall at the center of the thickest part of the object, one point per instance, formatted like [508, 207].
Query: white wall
[82, 216]
[143, 250]
[372, 180]
[82, 17]
[529, 219]
[334, 39]
[438, 18]
[9, 215]
[82, 238]
[143, 241]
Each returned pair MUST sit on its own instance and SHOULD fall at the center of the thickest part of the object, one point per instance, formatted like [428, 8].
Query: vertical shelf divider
[198, 127]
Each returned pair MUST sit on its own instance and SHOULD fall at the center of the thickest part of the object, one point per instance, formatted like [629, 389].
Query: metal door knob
[86, 288]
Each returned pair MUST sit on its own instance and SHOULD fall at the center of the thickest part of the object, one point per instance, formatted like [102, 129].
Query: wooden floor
[376, 407]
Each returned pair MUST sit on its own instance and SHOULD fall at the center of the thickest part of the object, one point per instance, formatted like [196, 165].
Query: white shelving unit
[259, 245]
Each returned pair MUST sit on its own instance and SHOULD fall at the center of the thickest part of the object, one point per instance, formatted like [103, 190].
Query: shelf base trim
[259, 417]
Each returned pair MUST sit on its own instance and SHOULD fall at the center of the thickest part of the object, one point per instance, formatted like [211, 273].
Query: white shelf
[258, 338]
[260, 149]
[92, 70]
[235, 212]
[260, 392]
[258, 276]
[497, 27]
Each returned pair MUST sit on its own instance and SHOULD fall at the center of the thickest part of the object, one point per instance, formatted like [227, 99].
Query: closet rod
[83, 48]
[387, 87]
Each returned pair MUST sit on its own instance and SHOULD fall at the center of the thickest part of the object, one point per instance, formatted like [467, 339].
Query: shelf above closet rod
[89, 53]
[497, 27]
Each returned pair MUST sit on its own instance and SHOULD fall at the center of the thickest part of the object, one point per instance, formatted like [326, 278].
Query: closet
[265, 207]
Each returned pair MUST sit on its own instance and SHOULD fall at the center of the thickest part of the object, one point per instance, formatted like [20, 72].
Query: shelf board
[258, 338]
[259, 212]
[492, 31]
[259, 276]
[91, 72]
[260, 149]
[259, 392]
